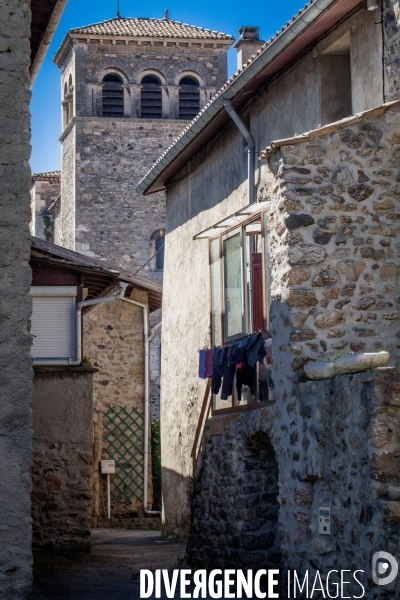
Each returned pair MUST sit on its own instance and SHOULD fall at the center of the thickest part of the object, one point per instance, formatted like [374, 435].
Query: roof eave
[154, 180]
[48, 36]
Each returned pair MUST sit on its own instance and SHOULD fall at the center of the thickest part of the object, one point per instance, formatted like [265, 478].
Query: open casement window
[53, 322]
[113, 96]
[239, 301]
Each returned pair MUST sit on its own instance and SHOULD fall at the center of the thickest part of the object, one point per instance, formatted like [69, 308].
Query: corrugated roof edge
[229, 90]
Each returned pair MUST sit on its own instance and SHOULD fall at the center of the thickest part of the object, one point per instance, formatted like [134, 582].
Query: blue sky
[223, 15]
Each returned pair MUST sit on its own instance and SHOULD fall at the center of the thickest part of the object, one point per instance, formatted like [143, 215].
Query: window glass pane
[233, 286]
[160, 252]
[216, 333]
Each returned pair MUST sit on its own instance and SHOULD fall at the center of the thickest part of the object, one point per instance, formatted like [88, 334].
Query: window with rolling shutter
[189, 98]
[151, 100]
[53, 322]
[113, 96]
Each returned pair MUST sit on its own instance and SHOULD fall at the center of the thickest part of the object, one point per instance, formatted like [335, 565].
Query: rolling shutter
[53, 322]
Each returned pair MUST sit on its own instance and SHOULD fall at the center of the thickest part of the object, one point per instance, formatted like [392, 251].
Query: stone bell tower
[129, 87]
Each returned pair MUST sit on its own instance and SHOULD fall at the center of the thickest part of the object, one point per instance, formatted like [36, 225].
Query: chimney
[247, 44]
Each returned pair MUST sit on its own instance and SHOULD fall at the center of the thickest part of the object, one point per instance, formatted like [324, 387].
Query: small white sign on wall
[107, 466]
[324, 520]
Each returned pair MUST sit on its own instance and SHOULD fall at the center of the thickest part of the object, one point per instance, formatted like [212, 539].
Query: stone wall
[16, 388]
[44, 193]
[391, 28]
[113, 222]
[64, 219]
[155, 366]
[333, 248]
[113, 341]
[62, 457]
[336, 443]
[234, 519]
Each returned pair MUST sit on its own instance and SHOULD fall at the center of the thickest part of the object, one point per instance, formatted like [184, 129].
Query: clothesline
[224, 362]
[239, 339]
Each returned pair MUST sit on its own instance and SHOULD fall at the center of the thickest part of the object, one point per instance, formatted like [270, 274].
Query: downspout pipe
[78, 330]
[251, 148]
[251, 152]
[146, 340]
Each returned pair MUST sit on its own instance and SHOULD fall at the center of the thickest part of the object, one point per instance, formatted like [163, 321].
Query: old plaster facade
[20, 59]
[329, 200]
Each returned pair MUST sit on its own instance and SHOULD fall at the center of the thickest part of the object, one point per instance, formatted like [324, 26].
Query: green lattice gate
[123, 442]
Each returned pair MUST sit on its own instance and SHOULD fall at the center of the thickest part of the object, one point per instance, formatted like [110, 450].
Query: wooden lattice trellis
[123, 442]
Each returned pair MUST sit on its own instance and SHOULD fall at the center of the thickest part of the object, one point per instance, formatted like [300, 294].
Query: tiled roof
[46, 175]
[143, 27]
[163, 158]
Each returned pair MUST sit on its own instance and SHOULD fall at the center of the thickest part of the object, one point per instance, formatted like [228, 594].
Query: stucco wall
[113, 340]
[213, 185]
[62, 457]
[16, 388]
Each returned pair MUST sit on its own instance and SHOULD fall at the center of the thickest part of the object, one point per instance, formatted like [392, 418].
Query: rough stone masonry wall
[391, 30]
[44, 193]
[113, 340]
[64, 219]
[333, 247]
[16, 387]
[113, 222]
[62, 457]
[336, 443]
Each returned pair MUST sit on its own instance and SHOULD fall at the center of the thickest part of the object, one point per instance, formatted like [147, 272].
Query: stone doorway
[234, 517]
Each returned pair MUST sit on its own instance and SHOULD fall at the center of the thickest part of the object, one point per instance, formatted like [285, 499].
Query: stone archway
[234, 513]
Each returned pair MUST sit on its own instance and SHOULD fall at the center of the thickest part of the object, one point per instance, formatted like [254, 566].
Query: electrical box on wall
[107, 466]
[324, 520]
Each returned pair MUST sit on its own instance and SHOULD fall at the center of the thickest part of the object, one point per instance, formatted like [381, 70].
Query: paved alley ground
[110, 571]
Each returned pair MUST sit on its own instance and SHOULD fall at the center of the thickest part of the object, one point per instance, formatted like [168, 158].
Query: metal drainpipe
[78, 329]
[251, 152]
[146, 404]
[251, 148]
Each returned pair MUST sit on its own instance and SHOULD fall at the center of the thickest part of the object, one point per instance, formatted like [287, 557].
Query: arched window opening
[189, 98]
[113, 96]
[160, 252]
[66, 106]
[151, 101]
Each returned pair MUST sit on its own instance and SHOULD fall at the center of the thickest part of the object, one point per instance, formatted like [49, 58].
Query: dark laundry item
[209, 363]
[245, 376]
[236, 353]
[227, 382]
[220, 355]
[202, 358]
[256, 351]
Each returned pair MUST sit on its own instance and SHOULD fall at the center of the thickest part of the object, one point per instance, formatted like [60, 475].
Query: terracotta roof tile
[46, 175]
[143, 27]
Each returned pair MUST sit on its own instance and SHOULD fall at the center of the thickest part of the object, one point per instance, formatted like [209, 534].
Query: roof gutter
[309, 15]
[48, 36]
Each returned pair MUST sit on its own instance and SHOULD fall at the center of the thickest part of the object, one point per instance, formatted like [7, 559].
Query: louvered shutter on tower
[53, 322]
